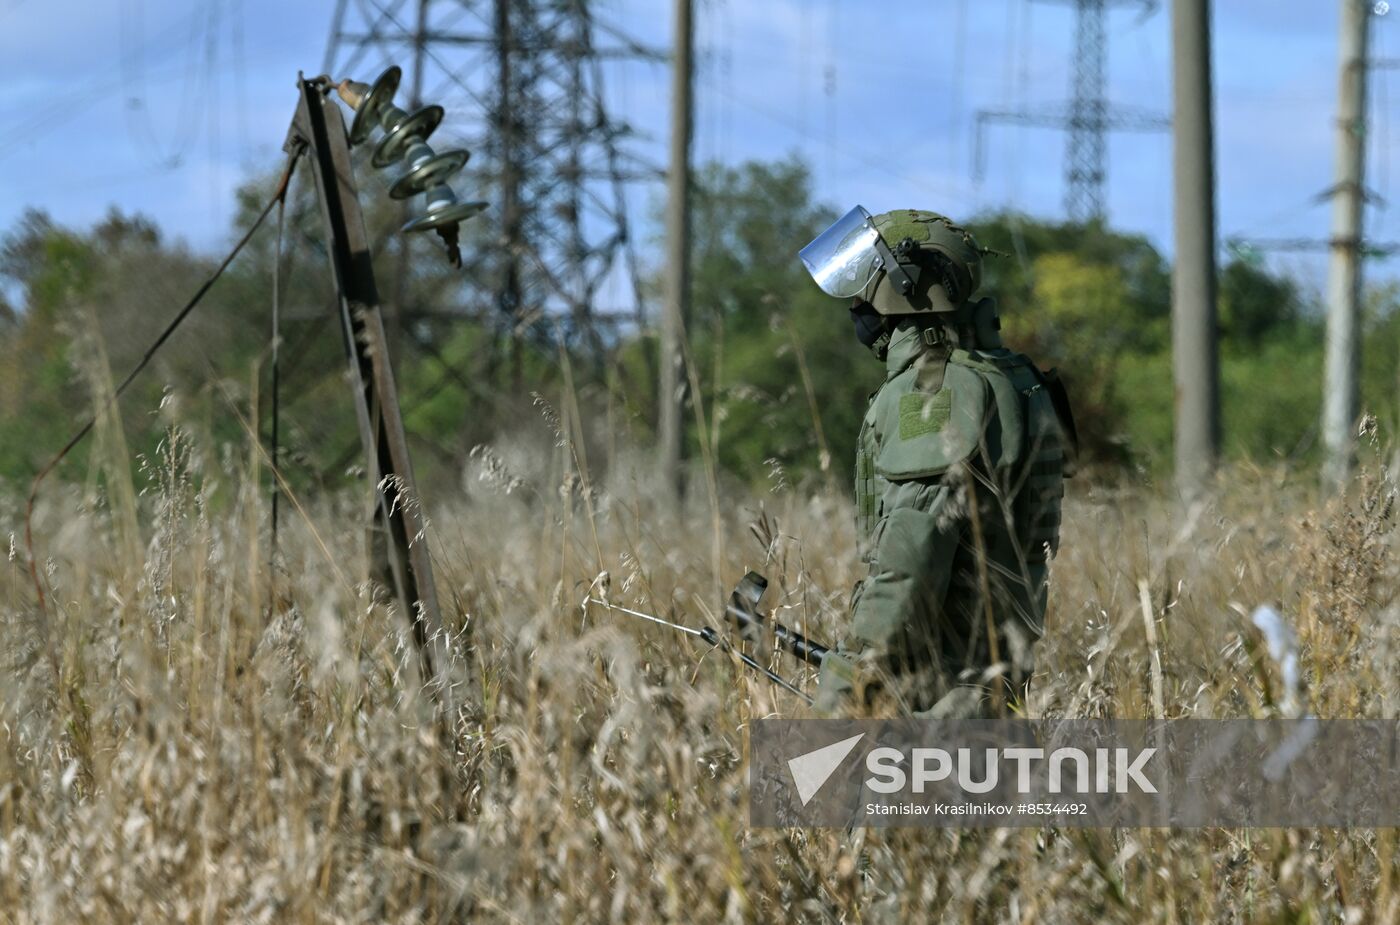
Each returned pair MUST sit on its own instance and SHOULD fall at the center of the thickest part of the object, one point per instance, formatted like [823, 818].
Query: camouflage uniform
[959, 479]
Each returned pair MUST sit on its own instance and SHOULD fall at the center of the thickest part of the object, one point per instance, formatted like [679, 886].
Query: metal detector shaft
[709, 635]
[713, 638]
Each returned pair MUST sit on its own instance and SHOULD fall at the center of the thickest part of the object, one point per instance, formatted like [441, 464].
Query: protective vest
[960, 473]
[989, 409]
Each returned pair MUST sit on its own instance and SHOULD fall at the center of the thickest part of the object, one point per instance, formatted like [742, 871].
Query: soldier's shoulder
[998, 360]
[922, 430]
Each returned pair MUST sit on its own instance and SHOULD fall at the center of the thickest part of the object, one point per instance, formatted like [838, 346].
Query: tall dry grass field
[188, 736]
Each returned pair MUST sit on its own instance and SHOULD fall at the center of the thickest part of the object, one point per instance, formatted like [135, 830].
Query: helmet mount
[898, 264]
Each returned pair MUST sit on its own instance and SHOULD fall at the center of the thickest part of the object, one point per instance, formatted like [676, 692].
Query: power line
[240, 76]
[862, 156]
[829, 84]
[214, 113]
[959, 66]
[56, 113]
[1246, 248]
[1251, 248]
[140, 124]
[1088, 117]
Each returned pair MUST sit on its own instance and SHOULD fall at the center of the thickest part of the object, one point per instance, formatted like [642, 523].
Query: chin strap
[972, 326]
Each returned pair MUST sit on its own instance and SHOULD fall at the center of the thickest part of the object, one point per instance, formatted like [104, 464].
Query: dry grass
[174, 747]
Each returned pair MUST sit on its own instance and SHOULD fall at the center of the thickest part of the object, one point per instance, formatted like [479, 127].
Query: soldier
[959, 475]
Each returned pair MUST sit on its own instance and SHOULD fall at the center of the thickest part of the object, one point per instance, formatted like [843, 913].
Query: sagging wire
[279, 196]
[276, 376]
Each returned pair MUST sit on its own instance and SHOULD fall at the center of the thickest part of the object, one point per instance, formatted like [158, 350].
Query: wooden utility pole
[319, 126]
[1195, 355]
[671, 394]
[1343, 358]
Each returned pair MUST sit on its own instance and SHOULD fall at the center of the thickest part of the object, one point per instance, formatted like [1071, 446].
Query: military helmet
[948, 258]
[902, 262]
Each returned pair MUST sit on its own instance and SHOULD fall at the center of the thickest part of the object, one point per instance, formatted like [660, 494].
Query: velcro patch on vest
[923, 413]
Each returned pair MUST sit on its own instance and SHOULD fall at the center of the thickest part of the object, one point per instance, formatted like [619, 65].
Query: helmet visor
[842, 260]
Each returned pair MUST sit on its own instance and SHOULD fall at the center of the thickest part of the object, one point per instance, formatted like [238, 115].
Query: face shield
[843, 259]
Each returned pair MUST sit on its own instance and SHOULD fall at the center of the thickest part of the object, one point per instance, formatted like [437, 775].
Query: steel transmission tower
[526, 79]
[1088, 116]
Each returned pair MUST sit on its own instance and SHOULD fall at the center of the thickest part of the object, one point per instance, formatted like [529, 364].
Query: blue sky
[165, 106]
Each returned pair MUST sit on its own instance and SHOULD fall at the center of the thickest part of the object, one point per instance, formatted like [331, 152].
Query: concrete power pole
[671, 394]
[1343, 359]
[1195, 359]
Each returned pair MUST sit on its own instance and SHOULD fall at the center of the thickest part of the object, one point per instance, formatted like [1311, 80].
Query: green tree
[783, 378]
[1089, 301]
[1255, 305]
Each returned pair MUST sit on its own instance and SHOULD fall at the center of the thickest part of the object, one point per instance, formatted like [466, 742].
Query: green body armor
[959, 479]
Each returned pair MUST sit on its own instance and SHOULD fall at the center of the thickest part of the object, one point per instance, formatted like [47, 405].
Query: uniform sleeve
[910, 560]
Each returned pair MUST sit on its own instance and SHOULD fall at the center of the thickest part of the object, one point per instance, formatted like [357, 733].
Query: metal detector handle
[813, 653]
[742, 611]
